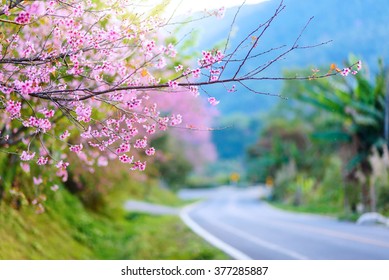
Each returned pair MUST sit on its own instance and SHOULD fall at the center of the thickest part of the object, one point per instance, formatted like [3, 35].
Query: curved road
[236, 221]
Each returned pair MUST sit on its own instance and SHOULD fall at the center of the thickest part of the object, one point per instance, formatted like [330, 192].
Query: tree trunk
[373, 198]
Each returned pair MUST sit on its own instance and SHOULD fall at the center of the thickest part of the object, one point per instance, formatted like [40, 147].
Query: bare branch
[12, 4]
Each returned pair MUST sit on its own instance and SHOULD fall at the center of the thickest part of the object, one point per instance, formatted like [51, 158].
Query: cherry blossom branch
[101, 74]
[12, 4]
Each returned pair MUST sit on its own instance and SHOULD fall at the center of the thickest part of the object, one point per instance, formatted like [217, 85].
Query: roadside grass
[67, 230]
[320, 209]
[323, 209]
[174, 240]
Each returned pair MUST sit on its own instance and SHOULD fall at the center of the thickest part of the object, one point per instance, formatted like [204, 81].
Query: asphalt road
[236, 221]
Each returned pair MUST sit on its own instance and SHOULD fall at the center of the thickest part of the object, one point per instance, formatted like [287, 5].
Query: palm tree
[354, 110]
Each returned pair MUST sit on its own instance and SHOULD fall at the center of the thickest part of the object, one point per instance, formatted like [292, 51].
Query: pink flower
[13, 108]
[359, 65]
[23, 18]
[78, 10]
[134, 102]
[213, 101]
[232, 89]
[76, 148]
[173, 84]
[345, 72]
[37, 181]
[64, 135]
[6, 10]
[62, 173]
[42, 124]
[25, 167]
[161, 63]
[141, 166]
[220, 12]
[47, 113]
[42, 160]
[149, 46]
[150, 129]
[62, 165]
[179, 68]
[126, 159]
[171, 51]
[196, 73]
[102, 161]
[141, 143]
[150, 151]
[175, 120]
[27, 156]
[123, 148]
[83, 112]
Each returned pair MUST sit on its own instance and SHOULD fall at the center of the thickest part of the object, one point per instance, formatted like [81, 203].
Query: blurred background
[319, 148]
[328, 134]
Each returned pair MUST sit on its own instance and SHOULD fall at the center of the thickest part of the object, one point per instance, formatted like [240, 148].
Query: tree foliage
[342, 118]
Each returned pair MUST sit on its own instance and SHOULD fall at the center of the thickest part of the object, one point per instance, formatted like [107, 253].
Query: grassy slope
[68, 231]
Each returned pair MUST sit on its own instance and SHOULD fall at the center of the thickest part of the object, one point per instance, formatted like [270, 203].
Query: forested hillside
[355, 27]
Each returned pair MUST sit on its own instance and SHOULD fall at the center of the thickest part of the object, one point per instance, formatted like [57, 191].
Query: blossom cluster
[23, 18]
[346, 71]
[86, 80]
[76, 68]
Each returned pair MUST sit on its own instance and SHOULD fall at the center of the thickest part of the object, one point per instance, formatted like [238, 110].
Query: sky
[187, 6]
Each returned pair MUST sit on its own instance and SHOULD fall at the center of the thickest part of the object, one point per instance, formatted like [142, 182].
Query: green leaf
[355, 161]
[368, 109]
[364, 120]
[326, 105]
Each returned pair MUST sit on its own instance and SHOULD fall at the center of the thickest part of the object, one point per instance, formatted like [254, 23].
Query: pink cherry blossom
[64, 135]
[150, 151]
[74, 68]
[173, 84]
[76, 148]
[23, 17]
[213, 101]
[13, 108]
[27, 156]
[345, 72]
[25, 167]
[179, 68]
[138, 165]
[42, 160]
[126, 159]
[37, 181]
[83, 112]
[359, 65]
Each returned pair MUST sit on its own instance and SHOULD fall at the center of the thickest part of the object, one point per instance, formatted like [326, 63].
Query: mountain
[358, 27]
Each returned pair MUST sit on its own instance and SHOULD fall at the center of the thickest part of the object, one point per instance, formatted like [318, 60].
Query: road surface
[236, 221]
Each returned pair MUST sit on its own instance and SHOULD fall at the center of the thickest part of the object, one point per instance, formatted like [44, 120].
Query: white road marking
[229, 250]
[333, 233]
[233, 252]
[258, 241]
[301, 227]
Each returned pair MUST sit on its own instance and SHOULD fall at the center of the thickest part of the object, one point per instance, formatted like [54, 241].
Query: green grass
[323, 209]
[67, 230]
[166, 238]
